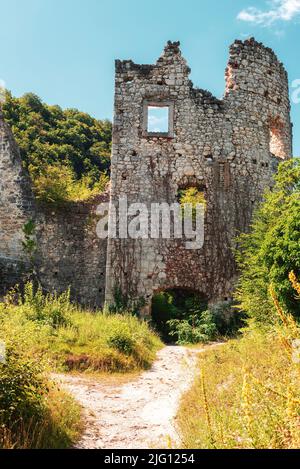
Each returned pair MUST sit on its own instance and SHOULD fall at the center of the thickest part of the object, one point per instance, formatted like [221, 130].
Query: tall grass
[57, 427]
[73, 338]
[34, 413]
[44, 333]
[248, 392]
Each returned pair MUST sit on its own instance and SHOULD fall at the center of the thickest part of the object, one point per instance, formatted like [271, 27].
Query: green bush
[52, 309]
[184, 317]
[33, 412]
[271, 251]
[22, 388]
[122, 340]
[57, 183]
[194, 329]
[67, 152]
[175, 305]
[72, 338]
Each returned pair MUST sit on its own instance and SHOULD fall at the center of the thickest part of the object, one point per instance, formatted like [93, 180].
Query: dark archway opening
[171, 306]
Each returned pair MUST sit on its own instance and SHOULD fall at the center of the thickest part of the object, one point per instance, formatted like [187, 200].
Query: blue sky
[64, 50]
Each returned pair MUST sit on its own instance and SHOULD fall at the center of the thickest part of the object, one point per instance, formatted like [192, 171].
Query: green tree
[272, 250]
[70, 141]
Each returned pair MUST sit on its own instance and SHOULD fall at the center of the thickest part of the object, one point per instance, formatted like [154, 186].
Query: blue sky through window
[158, 119]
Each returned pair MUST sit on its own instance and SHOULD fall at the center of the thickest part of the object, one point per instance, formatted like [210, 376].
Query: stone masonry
[16, 208]
[227, 148]
[69, 253]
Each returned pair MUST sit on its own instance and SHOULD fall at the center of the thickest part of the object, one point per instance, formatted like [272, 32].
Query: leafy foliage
[67, 152]
[57, 184]
[21, 387]
[171, 307]
[121, 339]
[184, 317]
[29, 243]
[33, 412]
[52, 309]
[271, 250]
[193, 330]
[72, 338]
[247, 394]
[220, 320]
[191, 196]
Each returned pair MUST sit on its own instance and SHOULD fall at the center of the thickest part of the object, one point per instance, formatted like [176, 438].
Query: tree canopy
[272, 250]
[68, 144]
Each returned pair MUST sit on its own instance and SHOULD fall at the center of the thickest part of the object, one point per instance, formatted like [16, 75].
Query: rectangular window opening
[158, 119]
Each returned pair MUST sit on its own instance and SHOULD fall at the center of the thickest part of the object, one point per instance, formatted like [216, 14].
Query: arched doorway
[175, 304]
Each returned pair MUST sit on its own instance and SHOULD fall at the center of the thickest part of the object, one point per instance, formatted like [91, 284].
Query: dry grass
[73, 339]
[43, 334]
[248, 392]
[58, 428]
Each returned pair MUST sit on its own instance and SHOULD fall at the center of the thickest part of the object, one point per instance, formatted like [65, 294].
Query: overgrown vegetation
[247, 394]
[34, 413]
[67, 152]
[271, 250]
[192, 196]
[72, 338]
[184, 317]
[42, 333]
[248, 391]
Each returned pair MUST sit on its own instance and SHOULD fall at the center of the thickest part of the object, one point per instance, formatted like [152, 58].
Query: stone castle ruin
[228, 149]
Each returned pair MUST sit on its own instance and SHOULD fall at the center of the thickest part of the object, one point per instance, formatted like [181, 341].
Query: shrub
[195, 329]
[58, 184]
[121, 339]
[184, 317]
[173, 306]
[22, 388]
[52, 309]
[271, 250]
[247, 395]
[33, 412]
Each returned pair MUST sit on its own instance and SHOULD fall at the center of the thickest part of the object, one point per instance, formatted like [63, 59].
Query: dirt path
[138, 414]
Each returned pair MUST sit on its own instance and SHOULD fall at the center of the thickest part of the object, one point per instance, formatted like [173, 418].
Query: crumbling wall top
[252, 49]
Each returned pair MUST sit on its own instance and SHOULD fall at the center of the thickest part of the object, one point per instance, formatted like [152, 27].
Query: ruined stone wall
[230, 148]
[16, 208]
[69, 253]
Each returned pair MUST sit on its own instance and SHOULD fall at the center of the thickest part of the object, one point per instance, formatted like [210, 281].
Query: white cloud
[280, 10]
[158, 119]
[156, 124]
